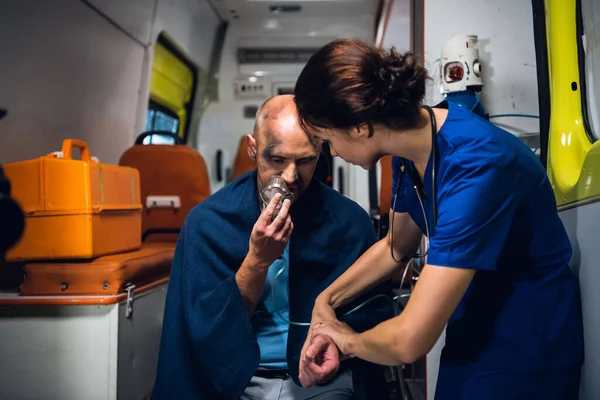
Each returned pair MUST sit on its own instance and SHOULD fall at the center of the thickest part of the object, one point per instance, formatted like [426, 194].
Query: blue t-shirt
[270, 328]
[497, 214]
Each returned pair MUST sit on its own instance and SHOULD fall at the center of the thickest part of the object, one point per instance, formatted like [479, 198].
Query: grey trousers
[285, 389]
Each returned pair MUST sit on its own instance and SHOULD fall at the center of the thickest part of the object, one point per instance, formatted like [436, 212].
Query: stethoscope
[420, 191]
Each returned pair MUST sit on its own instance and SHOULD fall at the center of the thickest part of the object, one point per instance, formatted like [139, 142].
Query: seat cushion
[101, 276]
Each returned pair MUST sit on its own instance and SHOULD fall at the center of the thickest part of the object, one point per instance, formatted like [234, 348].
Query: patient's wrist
[255, 264]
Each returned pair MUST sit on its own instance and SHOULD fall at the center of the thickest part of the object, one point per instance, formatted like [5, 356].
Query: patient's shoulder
[343, 208]
[334, 199]
[342, 220]
[223, 205]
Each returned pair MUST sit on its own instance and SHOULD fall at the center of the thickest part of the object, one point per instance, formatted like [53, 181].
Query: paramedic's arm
[405, 338]
[267, 242]
[373, 267]
[476, 211]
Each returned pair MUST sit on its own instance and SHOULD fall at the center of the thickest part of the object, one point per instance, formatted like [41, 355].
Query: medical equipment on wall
[460, 73]
[420, 191]
[275, 185]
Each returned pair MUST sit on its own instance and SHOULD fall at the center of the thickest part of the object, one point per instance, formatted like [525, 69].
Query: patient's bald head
[281, 145]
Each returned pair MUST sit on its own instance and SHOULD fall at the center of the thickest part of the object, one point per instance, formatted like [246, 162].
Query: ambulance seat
[385, 199]
[242, 163]
[385, 190]
[380, 200]
[173, 179]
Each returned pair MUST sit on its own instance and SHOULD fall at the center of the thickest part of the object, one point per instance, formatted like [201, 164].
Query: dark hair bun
[349, 82]
[402, 81]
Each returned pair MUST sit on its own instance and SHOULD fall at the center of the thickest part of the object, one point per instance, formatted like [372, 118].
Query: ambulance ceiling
[246, 9]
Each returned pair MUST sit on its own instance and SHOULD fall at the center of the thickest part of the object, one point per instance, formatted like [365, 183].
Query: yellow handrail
[573, 161]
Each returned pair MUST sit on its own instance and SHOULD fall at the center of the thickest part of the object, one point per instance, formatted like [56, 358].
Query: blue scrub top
[497, 214]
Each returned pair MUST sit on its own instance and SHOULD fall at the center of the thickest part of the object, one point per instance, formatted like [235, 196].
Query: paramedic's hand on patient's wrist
[313, 349]
[340, 332]
[321, 362]
[269, 237]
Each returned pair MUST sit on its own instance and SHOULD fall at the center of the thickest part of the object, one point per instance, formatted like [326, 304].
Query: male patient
[242, 271]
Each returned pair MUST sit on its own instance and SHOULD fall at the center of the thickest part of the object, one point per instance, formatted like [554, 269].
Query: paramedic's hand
[340, 332]
[269, 238]
[312, 348]
[320, 363]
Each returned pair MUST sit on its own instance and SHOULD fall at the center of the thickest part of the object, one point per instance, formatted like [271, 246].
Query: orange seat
[385, 198]
[385, 189]
[242, 163]
[173, 179]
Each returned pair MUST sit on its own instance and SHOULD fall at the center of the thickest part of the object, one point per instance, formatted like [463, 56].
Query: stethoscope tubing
[419, 189]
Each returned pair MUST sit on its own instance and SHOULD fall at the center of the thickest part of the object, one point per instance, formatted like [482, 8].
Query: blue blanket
[208, 349]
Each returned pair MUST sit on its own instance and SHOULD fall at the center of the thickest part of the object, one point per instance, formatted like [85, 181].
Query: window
[172, 87]
[590, 31]
[160, 119]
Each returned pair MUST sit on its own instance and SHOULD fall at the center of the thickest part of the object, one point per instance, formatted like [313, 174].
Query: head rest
[173, 179]
[242, 163]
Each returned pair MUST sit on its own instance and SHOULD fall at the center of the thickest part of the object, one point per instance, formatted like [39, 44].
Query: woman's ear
[362, 131]
[252, 150]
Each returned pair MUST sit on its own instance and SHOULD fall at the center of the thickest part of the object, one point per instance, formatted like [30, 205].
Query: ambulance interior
[170, 88]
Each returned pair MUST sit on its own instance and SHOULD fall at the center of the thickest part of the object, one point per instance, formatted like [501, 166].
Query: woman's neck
[414, 144]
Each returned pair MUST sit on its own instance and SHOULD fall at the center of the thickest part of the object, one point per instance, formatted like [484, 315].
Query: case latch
[129, 304]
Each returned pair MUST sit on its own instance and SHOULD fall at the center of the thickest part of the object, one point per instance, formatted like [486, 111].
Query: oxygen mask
[275, 185]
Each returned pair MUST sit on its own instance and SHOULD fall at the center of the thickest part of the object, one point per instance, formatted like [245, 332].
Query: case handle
[67, 149]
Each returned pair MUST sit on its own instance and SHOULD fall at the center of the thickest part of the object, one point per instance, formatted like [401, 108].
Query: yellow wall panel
[171, 83]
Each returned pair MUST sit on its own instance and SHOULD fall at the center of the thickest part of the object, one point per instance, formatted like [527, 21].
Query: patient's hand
[319, 362]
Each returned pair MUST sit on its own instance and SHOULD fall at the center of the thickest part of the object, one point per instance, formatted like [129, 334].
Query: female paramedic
[497, 274]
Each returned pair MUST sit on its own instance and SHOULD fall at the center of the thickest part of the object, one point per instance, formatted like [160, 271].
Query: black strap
[373, 195]
[416, 179]
[269, 373]
[434, 166]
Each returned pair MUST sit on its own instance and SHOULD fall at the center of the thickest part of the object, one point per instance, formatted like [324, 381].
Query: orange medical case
[75, 209]
[106, 275]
